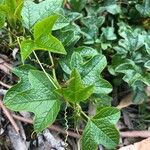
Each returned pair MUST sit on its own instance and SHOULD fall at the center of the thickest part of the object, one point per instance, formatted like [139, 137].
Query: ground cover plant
[73, 54]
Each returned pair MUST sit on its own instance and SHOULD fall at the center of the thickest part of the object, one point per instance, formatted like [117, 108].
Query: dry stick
[9, 116]
[5, 85]
[143, 134]
[7, 66]
[52, 127]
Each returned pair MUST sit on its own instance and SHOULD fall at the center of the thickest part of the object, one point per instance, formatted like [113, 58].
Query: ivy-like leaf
[78, 5]
[144, 9]
[132, 41]
[32, 13]
[43, 40]
[147, 64]
[90, 20]
[108, 33]
[101, 130]
[113, 9]
[34, 93]
[86, 52]
[76, 91]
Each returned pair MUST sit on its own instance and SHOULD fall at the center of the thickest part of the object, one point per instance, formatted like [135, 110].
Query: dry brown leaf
[126, 101]
[147, 90]
[143, 145]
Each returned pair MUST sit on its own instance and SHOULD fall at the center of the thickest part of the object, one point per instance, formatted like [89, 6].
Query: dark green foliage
[102, 40]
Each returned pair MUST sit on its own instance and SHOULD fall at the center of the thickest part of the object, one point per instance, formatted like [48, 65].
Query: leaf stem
[82, 112]
[18, 40]
[53, 69]
[45, 71]
[10, 38]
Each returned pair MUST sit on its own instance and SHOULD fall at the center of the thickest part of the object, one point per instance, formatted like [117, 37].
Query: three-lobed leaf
[43, 39]
[76, 91]
[89, 70]
[34, 93]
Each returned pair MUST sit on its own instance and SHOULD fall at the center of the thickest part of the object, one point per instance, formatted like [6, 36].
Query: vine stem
[66, 124]
[44, 70]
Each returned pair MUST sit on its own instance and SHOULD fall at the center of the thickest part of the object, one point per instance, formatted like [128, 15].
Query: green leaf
[34, 93]
[144, 9]
[69, 35]
[2, 20]
[12, 10]
[147, 43]
[76, 91]
[90, 20]
[78, 5]
[108, 33]
[32, 13]
[11, 5]
[133, 40]
[86, 52]
[43, 40]
[139, 94]
[108, 114]
[101, 130]
[147, 64]
[102, 100]
[44, 27]
[133, 73]
[113, 9]
[131, 70]
[89, 71]
[91, 74]
[18, 9]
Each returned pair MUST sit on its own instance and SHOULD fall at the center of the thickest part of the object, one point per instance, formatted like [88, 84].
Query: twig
[143, 134]
[9, 116]
[5, 85]
[7, 66]
[52, 127]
